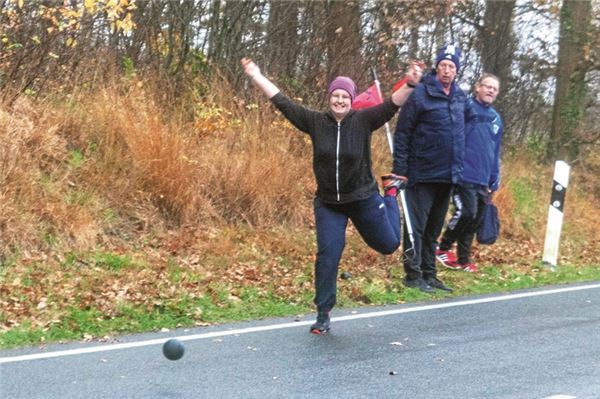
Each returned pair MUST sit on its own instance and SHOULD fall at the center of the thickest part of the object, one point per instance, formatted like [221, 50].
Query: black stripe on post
[557, 199]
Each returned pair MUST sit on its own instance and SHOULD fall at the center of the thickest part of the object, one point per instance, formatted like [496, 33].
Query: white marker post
[555, 213]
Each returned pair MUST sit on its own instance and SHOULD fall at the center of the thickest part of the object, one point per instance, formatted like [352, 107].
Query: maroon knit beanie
[344, 83]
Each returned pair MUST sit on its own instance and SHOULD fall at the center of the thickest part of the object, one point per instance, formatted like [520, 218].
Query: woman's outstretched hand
[253, 72]
[250, 68]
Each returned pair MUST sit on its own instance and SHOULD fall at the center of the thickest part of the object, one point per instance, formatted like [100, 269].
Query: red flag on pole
[368, 98]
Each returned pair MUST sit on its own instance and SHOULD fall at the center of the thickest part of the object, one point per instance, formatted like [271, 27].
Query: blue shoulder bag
[489, 227]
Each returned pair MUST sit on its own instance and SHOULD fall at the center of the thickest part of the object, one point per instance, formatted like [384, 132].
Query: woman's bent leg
[377, 220]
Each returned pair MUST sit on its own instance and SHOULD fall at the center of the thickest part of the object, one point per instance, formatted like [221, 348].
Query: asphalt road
[529, 344]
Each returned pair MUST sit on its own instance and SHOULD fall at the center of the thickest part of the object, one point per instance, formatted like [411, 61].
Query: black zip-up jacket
[341, 151]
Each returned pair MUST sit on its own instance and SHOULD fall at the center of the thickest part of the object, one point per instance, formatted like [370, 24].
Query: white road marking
[215, 334]
[559, 397]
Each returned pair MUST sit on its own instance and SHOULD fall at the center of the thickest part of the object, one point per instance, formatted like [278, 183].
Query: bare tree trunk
[381, 47]
[282, 38]
[312, 52]
[498, 46]
[343, 39]
[214, 32]
[570, 79]
[234, 25]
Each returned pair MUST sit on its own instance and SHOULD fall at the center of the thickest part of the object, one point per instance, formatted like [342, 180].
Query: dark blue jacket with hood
[429, 141]
[483, 135]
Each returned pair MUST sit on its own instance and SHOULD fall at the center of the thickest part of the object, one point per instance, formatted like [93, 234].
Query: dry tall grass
[112, 166]
[139, 170]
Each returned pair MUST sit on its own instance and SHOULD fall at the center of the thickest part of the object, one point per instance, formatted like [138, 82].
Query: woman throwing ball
[346, 188]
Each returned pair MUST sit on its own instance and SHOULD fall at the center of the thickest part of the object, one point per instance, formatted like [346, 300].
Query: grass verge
[226, 303]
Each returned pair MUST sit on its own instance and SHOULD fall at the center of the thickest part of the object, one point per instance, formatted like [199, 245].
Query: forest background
[145, 184]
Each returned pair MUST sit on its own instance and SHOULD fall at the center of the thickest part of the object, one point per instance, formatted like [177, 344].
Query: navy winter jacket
[483, 138]
[429, 141]
[341, 151]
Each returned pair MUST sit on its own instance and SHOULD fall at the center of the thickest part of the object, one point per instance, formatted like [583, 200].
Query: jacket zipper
[337, 163]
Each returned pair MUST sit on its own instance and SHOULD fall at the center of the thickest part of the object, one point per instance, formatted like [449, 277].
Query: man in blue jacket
[429, 145]
[481, 174]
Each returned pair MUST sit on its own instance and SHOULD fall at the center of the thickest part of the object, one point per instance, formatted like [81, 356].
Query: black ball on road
[346, 275]
[173, 349]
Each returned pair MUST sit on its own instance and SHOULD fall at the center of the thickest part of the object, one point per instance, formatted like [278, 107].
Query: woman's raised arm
[259, 80]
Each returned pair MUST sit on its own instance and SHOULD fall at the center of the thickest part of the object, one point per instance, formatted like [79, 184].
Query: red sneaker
[453, 265]
[447, 258]
[470, 267]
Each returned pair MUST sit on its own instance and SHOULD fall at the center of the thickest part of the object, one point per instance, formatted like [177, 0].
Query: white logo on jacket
[496, 125]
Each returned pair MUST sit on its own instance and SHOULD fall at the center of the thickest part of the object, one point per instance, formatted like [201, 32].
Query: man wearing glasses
[481, 174]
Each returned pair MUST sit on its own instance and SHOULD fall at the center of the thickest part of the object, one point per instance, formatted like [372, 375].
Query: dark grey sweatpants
[469, 201]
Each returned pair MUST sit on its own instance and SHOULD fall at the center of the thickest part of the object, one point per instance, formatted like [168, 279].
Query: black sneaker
[322, 324]
[420, 284]
[437, 283]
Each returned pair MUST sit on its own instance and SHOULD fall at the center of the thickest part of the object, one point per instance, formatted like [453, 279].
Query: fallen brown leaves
[188, 263]
[197, 262]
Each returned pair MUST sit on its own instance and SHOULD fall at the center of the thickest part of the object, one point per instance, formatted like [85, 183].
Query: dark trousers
[427, 205]
[377, 219]
[469, 201]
